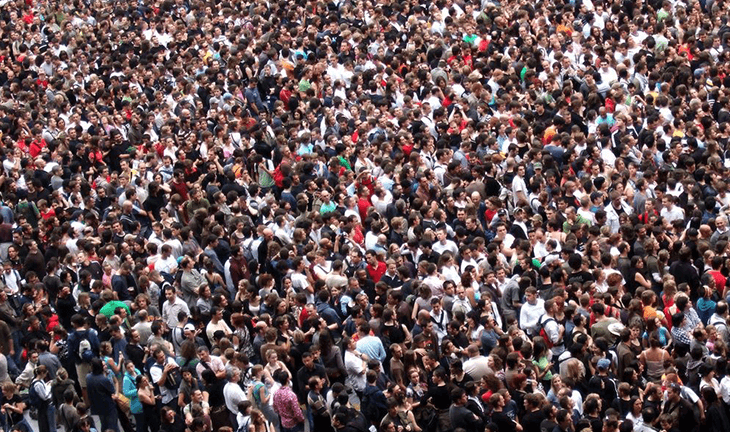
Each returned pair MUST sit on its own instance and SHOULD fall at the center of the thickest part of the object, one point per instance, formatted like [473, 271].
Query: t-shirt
[504, 423]
[16, 399]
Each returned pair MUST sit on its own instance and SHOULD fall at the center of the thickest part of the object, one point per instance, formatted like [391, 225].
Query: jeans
[109, 420]
[51, 417]
[299, 427]
[141, 422]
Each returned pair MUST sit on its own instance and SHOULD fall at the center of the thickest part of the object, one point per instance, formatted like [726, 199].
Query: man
[623, 350]
[531, 311]
[554, 331]
[103, 396]
[196, 402]
[166, 264]
[47, 359]
[533, 416]
[286, 404]
[460, 416]
[308, 370]
[443, 244]
[439, 317]
[502, 420]
[172, 306]
[123, 283]
[82, 359]
[477, 366]
[372, 346]
[681, 408]
[211, 362]
[134, 352]
[165, 374]
[375, 268]
[233, 393]
[602, 323]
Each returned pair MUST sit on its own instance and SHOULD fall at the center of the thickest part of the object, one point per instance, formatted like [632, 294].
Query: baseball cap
[189, 327]
[537, 165]
[604, 363]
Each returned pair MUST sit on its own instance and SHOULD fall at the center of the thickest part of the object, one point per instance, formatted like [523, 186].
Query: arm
[128, 388]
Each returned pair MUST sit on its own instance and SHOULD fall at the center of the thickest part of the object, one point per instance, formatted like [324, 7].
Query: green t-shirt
[109, 308]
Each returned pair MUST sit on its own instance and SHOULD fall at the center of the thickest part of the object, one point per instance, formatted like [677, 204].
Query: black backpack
[369, 407]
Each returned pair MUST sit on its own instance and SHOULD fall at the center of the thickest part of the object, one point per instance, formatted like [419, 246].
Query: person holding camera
[165, 373]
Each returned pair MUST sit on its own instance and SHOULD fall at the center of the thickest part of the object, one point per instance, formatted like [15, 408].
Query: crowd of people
[360, 216]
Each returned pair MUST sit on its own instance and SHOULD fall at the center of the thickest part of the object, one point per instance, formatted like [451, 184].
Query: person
[130, 391]
[12, 407]
[258, 394]
[317, 405]
[103, 396]
[197, 408]
[40, 396]
[286, 404]
[171, 421]
[447, 152]
[680, 408]
[233, 392]
[164, 373]
[146, 396]
[81, 351]
[68, 415]
[460, 416]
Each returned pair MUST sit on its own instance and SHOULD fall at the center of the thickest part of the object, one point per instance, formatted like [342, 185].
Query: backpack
[86, 354]
[33, 397]
[369, 407]
[246, 248]
[541, 325]
[172, 383]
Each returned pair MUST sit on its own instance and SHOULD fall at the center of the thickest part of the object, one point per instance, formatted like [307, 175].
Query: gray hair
[230, 373]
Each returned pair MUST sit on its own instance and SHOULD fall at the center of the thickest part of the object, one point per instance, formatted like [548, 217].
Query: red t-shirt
[376, 273]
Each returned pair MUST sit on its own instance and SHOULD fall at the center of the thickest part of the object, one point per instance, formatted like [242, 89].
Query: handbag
[123, 403]
[219, 417]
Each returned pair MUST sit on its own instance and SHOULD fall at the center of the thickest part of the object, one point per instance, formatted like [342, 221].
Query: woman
[60, 385]
[634, 413]
[653, 359]
[146, 396]
[129, 389]
[707, 372]
[542, 363]
[205, 299]
[318, 406]
[636, 276]
[188, 355]
[416, 388]
[12, 407]
[258, 394]
[142, 302]
[252, 301]
[171, 422]
[474, 327]
[331, 358]
[105, 349]
[716, 419]
[214, 279]
[273, 364]
[556, 384]
[242, 334]
[259, 423]
[395, 332]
